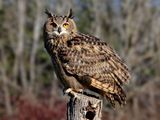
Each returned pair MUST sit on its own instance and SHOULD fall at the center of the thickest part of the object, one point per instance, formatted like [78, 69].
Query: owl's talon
[67, 91]
[80, 91]
[71, 92]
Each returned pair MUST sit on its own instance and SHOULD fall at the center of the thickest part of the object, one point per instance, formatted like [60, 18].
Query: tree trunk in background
[19, 68]
[5, 87]
[36, 37]
[1, 4]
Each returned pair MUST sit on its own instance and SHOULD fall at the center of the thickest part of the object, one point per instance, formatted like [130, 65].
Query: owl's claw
[71, 92]
[80, 91]
[67, 91]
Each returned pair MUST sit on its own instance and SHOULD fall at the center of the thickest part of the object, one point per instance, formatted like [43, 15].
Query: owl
[82, 61]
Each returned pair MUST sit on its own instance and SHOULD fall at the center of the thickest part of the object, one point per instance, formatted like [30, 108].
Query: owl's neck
[57, 42]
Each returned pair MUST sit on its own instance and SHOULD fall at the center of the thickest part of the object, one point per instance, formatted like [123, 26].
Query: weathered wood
[83, 107]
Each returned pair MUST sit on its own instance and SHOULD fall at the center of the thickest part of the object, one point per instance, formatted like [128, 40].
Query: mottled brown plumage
[83, 61]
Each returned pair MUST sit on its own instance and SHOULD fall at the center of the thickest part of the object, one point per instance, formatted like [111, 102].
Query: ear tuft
[48, 13]
[70, 14]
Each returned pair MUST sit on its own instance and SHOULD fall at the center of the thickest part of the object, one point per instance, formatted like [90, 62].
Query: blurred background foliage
[28, 86]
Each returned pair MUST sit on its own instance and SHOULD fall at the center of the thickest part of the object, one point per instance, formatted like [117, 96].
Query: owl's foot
[71, 92]
[67, 91]
[81, 91]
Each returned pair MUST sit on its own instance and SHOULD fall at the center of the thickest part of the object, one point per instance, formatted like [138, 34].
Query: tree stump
[84, 107]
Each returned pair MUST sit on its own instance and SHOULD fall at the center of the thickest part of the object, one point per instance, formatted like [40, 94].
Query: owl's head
[60, 25]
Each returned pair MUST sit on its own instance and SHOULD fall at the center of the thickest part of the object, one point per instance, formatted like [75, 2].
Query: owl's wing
[91, 57]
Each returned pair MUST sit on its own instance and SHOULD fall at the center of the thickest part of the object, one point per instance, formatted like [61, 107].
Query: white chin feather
[63, 32]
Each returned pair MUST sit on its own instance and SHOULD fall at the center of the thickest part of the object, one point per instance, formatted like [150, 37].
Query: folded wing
[89, 56]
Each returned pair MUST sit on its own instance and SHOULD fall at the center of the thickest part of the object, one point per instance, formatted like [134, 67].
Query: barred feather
[87, 55]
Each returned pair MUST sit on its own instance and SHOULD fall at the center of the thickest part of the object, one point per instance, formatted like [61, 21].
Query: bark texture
[83, 107]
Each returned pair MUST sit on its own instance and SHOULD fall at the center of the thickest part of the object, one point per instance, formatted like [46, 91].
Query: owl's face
[60, 26]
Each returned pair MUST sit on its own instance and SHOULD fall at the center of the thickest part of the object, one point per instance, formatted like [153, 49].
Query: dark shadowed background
[28, 85]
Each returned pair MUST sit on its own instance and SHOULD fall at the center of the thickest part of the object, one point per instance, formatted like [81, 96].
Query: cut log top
[83, 107]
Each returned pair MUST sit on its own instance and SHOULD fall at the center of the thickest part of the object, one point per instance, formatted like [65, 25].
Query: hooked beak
[59, 30]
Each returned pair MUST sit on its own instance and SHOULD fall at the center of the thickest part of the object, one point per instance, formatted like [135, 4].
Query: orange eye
[66, 25]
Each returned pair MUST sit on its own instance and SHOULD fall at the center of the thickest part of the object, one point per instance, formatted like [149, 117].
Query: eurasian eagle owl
[83, 61]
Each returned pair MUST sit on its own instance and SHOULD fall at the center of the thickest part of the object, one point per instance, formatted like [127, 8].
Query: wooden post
[84, 107]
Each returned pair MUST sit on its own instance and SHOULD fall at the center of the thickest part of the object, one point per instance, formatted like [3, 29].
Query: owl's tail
[111, 90]
[118, 96]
